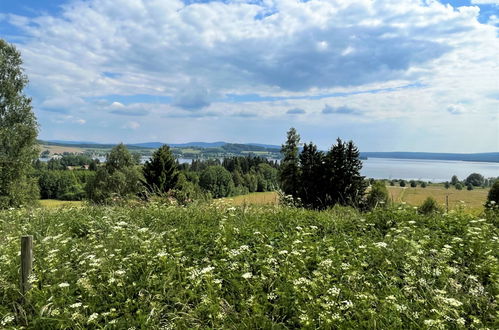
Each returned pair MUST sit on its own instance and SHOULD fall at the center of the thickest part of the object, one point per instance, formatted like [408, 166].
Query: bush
[469, 186]
[429, 206]
[423, 184]
[459, 186]
[475, 179]
[413, 184]
[493, 196]
[377, 196]
[402, 183]
[447, 185]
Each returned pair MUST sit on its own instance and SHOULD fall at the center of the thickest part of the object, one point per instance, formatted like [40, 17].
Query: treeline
[123, 177]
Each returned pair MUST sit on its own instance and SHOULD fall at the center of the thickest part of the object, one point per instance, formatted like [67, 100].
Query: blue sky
[392, 75]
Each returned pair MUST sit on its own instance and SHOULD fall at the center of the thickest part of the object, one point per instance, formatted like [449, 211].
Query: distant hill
[478, 157]
[225, 147]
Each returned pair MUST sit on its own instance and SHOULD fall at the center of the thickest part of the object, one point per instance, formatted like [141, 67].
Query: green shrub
[429, 206]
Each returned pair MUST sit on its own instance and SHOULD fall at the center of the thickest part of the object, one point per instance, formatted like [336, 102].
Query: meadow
[219, 266]
[470, 200]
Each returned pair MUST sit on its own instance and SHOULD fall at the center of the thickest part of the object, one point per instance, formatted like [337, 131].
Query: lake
[426, 170]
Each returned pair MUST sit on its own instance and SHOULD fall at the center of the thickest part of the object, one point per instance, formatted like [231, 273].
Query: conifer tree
[160, 173]
[290, 167]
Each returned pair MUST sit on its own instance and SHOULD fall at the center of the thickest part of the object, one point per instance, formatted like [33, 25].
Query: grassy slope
[220, 266]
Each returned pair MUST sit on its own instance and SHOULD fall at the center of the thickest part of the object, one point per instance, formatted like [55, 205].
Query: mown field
[220, 266]
[471, 200]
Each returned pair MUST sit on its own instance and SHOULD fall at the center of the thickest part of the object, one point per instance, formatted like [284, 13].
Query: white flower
[381, 244]
[93, 317]
[75, 305]
[64, 285]
[247, 275]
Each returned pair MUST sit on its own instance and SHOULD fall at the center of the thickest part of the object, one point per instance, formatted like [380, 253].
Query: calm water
[427, 170]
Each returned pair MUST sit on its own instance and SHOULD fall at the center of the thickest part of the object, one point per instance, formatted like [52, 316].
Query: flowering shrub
[216, 266]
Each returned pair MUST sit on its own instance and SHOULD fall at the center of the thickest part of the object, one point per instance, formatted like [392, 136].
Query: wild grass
[257, 198]
[470, 200]
[220, 266]
[54, 203]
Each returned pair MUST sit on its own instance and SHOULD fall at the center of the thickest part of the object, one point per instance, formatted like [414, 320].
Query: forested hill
[221, 149]
[476, 157]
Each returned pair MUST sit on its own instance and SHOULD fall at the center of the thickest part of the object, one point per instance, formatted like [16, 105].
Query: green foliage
[429, 206]
[469, 186]
[402, 183]
[18, 131]
[475, 179]
[459, 186]
[454, 180]
[223, 268]
[118, 180]
[290, 165]
[423, 184]
[447, 185]
[493, 195]
[377, 196]
[63, 185]
[332, 178]
[160, 173]
[217, 180]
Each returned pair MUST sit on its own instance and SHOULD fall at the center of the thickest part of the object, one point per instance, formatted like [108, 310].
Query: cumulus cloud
[153, 47]
[343, 110]
[295, 111]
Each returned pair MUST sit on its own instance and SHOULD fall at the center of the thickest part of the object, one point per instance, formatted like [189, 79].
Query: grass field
[472, 200]
[61, 149]
[224, 267]
[54, 203]
[258, 198]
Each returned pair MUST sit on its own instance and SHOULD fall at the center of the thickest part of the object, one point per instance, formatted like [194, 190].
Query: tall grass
[223, 267]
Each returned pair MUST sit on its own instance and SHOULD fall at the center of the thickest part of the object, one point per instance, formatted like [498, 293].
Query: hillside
[225, 267]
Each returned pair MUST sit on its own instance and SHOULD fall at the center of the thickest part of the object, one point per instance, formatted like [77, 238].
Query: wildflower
[63, 285]
[7, 319]
[381, 244]
[75, 305]
[93, 317]
[247, 275]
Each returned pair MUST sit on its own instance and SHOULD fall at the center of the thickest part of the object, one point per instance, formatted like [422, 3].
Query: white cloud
[198, 54]
[485, 2]
[456, 109]
[131, 125]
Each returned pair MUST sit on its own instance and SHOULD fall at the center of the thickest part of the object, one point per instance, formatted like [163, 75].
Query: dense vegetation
[18, 131]
[170, 267]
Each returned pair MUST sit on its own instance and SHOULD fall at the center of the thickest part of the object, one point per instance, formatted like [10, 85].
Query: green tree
[475, 179]
[343, 182]
[402, 183]
[429, 206]
[493, 195]
[454, 180]
[423, 184]
[290, 165]
[160, 173]
[312, 176]
[459, 186]
[413, 184]
[469, 186]
[119, 179]
[18, 132]
[447, 185]
[217, 180]
[377, 196]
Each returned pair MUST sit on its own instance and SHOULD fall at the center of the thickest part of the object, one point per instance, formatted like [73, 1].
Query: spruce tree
[312, 176]
[290, 166]
[160, 173]
[18, 132]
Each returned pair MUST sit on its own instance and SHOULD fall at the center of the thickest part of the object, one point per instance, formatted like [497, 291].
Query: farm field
[471, 200]
[221, 266]
[258, 198]
[54, 149]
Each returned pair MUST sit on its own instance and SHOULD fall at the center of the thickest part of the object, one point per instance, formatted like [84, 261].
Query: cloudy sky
[392, 75]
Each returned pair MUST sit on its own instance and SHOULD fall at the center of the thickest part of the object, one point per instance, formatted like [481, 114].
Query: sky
[391, 75]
